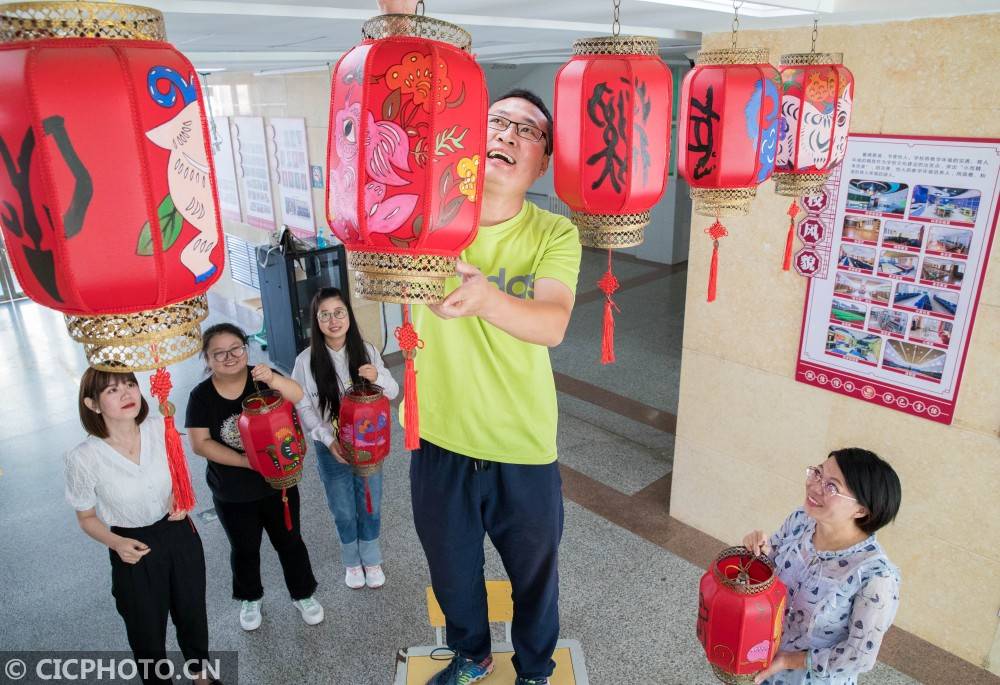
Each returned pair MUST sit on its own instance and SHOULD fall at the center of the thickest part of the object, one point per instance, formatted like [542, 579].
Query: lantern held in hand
[365, 429]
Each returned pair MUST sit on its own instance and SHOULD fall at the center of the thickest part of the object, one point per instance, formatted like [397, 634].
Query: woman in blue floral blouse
[843, 591]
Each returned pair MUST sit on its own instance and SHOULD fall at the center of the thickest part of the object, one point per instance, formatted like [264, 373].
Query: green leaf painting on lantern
[170, 229]
[449, 140]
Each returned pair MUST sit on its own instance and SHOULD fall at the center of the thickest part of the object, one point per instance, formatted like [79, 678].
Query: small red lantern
[406, 156]
[741, 606]
[107, 199]
[817, 96]
[365, 430]
[612, 146]
[273, 441]
[727, 135]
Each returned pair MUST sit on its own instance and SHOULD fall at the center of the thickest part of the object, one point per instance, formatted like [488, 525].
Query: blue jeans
[345, 495]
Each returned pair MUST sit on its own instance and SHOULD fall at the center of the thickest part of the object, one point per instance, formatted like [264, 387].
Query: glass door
[9, 288]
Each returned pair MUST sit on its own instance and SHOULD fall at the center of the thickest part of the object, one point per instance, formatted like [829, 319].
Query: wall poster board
[225, 170]
[291, 159]
[251, 155]
[890, 324]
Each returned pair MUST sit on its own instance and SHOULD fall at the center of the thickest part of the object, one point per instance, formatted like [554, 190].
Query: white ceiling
[252, 35]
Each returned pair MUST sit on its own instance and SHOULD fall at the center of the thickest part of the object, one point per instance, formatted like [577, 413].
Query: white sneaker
[355, 577]
[374, 577]
[311, 610]
[250, 614]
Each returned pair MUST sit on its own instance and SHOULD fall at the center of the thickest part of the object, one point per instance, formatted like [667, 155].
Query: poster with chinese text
[914, 223]
[251, 155]
[291, 158]
[225, 170]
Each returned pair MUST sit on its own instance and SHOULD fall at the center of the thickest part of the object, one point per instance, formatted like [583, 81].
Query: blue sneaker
[463, 671]
[536, 681]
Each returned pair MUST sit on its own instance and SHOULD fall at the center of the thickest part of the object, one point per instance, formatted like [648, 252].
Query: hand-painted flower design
[821, 90]
[414, 75]
[467, 170]
[387, 214]
[387, 148]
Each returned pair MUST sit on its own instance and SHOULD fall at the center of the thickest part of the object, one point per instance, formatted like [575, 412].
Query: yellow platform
[416, 665]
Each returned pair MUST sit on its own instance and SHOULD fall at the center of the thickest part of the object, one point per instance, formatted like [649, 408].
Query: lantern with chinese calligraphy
[273, 441]
[612, 146]
[741, 606]
[727, 135]
[816, 100]
[406, 156]
[365, 430]
[107, 199]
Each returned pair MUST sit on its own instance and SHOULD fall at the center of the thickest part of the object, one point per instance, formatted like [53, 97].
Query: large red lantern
[406, 156]
[364, 430]
[727, 135]
[817, 96]
[741, 606]
[107, 199]
[273, 441]
[612, 146]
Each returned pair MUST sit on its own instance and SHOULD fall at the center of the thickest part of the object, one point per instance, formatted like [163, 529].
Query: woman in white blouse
[843, 591]
[119, 483]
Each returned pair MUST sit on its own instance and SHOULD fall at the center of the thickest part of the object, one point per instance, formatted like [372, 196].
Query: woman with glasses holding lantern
[843, 591]
[247, 506]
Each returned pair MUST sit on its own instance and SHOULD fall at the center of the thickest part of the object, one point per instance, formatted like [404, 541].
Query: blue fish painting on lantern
[764, 131]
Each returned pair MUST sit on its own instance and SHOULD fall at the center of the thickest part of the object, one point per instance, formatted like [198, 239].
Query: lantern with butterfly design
[107, 200]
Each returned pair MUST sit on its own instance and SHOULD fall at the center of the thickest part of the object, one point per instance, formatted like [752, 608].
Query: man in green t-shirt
[487, 458]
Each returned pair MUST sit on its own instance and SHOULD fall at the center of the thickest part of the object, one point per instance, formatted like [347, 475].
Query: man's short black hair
[537, 102]
[874, 482]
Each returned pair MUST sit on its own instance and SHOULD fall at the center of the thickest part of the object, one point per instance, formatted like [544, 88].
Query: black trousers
[169, 580]
[457, 501]
[244, 522]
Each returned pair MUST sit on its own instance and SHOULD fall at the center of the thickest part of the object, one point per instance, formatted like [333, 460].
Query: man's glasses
[830, 489]
[235, 353]
[526, 131]
[325, 317]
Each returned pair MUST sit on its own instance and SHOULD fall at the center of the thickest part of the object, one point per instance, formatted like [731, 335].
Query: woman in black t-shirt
[245, 503]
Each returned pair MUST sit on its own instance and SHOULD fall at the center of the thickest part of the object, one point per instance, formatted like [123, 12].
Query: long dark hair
[321, 365]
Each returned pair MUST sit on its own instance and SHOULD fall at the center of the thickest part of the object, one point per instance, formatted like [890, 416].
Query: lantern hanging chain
[815, 33]
[420, 8]
[736, 19]
[616, 25]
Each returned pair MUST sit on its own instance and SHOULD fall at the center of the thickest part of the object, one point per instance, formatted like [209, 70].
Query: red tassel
[368, 497]
[715, 231]
[409, 343]
[184, 500]
[608, 283]
[793, 209]
[288, 512]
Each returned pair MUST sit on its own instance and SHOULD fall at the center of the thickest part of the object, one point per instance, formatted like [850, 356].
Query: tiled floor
[629, 600]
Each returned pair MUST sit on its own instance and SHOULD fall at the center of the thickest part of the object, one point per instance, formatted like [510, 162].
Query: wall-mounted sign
[251, 156]
[291, 166]
[225, 170]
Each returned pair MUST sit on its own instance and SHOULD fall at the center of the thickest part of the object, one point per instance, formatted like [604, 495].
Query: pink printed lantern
[273, 441]
[406, 156]
[365, 430]
[817, 96]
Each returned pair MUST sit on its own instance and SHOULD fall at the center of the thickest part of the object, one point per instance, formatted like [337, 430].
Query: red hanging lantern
[817, 96]
[612, 146]
[727, 134]
[107, 199]
[273, 441]
[741, 606]
[365, 431]
[406, 156]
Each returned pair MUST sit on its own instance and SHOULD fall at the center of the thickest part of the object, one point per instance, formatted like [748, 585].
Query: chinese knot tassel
[409, 343]
[368, 497]
[288, 512]
[608, 284]
[160, 385]
[793, 209]
[715, 231]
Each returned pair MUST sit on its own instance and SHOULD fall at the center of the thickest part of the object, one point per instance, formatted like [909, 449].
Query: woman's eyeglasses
[324, 317]
[234, 352]
[830, 489]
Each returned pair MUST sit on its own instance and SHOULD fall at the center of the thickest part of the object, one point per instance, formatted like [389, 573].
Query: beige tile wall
[305, 95]
[746, 429]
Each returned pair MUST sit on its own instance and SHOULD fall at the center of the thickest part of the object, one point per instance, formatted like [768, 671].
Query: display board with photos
[915, 220]
[292, 175]
[251, 154]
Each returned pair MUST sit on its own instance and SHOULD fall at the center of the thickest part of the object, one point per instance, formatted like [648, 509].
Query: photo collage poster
[225, 170]
[251, 156]
[890, 324]
[291, 159]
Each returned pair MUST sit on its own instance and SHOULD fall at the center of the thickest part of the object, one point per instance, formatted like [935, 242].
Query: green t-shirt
[482, 392]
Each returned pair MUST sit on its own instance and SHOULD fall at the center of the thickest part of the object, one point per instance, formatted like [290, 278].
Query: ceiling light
[291, 70]
[749, 9]
[209, 70]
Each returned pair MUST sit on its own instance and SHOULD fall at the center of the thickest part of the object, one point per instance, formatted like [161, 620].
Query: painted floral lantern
[107, 199]
[741, 606]
[405, 157]
[364, 430]
[727, 135]
[612, 146]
